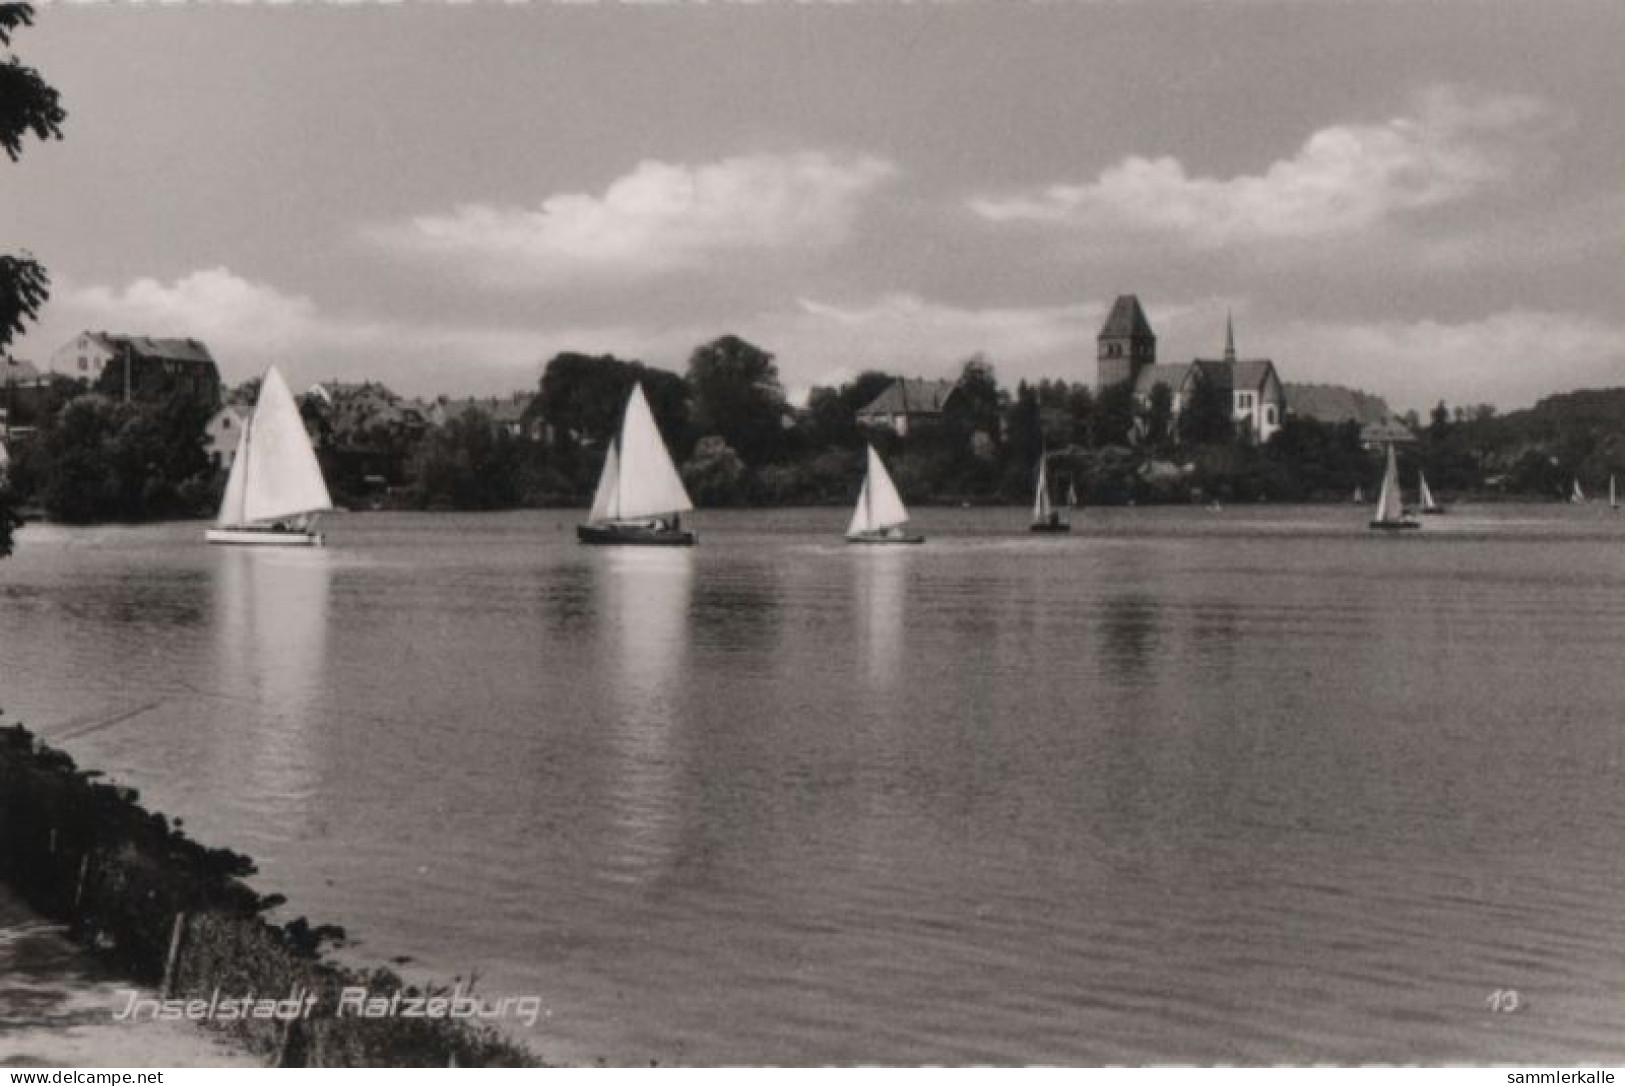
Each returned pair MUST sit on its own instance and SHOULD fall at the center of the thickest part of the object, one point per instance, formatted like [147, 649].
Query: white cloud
[248, 324]
[1343, 180]
[659, 218]
[823, 343]
[1509, 359]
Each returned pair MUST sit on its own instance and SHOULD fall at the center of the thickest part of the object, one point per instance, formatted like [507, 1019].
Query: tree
[1160, 413]
[27, 104]
[737, 397]
[1207, 419]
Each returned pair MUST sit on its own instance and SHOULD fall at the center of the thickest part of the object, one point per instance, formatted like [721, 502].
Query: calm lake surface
[1187, 786]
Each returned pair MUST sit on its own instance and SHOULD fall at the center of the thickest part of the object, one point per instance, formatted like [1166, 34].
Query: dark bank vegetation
[85, 853]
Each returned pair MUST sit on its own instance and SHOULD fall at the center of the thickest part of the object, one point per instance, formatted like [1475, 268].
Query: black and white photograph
[812, 533]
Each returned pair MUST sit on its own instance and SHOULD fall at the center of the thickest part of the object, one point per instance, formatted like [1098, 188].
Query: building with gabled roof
[143, 366]
[907, 403]
[1253, 388]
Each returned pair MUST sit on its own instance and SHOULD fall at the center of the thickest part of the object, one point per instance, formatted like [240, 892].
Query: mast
[1390, 505]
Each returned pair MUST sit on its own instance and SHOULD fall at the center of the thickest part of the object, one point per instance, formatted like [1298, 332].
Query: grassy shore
[167, 911]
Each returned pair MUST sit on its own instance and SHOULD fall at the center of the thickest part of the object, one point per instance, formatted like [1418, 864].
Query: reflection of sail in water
[881, 578]
[646, 603]
[271, 642]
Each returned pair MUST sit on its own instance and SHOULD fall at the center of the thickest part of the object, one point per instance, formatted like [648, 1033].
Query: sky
[1423, 200]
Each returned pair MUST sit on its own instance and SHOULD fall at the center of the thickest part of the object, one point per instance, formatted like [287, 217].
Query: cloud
[823, 343]
[659, 218]
[248, 324]
[1343, 180]
[1509, 359]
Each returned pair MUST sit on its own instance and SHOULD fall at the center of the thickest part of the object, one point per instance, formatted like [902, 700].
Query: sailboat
[1613, 495]
[275, 490]
[1426, 496]
[640, 497]
[1046, 518]
[1359, 495]
[1390, 513]
[1577, 496]
[880, 516]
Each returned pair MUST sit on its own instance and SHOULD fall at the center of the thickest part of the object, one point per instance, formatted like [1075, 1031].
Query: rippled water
[1246, 786]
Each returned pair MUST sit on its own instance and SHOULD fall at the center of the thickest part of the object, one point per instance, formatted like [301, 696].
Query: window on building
[84, 363]
[1269, 414]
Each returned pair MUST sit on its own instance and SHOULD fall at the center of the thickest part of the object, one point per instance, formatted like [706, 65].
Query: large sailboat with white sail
[640, 498]
[880, 516]
[275, 490]
[1390, 514]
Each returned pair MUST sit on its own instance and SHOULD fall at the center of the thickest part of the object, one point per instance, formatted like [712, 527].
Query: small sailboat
[880, 516]
[1046, 518]
[1577, 496]
[640, 497]
[1390, 513]
[1071, 496]
[1359, 495]
[275, 490]
[1428, 505]
[1613, 495]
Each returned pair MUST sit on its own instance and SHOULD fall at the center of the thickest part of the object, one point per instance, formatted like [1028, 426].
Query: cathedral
[1126, 351]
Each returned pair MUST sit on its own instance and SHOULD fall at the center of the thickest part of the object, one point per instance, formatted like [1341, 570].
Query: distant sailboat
[1426, 496]
[1390, 514]
[640, 497]
[1359, 495]
[1577, 496]
[1046, 518]
[1071, 495]
[880, 516]
[275, 490]
[1613, 495]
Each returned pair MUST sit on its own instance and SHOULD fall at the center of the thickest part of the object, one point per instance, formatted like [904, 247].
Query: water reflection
[270, 647]
[645, 595]
[880, 581]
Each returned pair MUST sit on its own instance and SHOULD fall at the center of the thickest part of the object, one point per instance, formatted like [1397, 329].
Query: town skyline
[1417, 201]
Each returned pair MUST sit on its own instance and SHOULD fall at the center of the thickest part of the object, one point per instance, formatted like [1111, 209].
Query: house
[222, 432]
[143, 367]
[1335, 405]
[1126, 351]
[907, 404]
[356, 412]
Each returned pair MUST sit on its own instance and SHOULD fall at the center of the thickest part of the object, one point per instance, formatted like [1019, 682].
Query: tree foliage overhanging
[28, 105]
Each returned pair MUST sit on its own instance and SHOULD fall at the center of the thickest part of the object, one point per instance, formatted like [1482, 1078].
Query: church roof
[1126, 319]
[1243, 373]
[1172, 374]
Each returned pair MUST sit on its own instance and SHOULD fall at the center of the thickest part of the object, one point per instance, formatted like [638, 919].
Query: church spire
[1229, 337]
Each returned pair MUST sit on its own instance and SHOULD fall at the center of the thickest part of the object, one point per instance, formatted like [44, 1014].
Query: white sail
[648, 481]
[275, 474]
[1613, 496]
[1426, 495]
[1390, 504]
[879, 505]
[1578, 495]
[606, 499]
[1041, 503]
[231, 506]
[1071, 495]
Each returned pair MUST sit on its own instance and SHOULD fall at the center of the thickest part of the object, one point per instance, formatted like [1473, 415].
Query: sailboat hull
[1394, 525]
[1049, 526]
[633, 535]
[251, 535]
[880, 537]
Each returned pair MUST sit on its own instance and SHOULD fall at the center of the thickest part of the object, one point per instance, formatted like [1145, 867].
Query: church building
[1126, 351]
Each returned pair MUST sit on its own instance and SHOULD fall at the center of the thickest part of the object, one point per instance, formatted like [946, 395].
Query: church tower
[1126, 344]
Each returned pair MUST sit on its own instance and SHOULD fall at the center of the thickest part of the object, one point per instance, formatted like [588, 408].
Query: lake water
[1186, 786]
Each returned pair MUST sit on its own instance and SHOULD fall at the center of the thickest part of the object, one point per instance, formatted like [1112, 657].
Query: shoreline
[143, 903]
